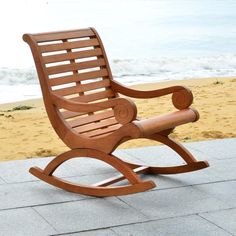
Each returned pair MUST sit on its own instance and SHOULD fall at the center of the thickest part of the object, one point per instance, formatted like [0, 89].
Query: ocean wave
[131, 71]
[169, 68]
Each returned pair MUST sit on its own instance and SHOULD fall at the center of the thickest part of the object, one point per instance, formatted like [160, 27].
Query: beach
[28, 133]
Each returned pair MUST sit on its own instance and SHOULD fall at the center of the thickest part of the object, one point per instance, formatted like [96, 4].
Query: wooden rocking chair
[84, 108]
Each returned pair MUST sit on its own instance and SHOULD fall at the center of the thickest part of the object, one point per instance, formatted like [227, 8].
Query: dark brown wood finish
[83, 105]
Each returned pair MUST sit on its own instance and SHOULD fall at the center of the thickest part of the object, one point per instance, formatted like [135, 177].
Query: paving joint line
[140, 222]
[192, 185]
[84, 231]
[66, 177]
[90, 197]
[211, 222]
[46, 204]
[102, 228]
[115, 232]
[3, 180]
[44, 219]
[132, 207]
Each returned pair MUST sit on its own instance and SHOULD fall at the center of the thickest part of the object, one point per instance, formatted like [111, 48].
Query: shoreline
[28, 133]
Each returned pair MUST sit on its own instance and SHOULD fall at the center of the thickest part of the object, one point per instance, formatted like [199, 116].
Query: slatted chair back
[73, 64]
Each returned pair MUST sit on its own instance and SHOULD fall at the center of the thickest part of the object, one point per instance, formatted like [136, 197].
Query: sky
[24, 16]
[34, 16]
[121, 18]
[149, 25]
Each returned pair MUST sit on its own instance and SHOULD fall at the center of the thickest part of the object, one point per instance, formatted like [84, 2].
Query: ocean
[146, 40]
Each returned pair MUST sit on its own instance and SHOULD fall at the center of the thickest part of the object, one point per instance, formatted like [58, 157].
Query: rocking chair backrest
[73, 64]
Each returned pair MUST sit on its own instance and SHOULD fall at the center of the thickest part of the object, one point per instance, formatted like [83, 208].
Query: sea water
[146, 40]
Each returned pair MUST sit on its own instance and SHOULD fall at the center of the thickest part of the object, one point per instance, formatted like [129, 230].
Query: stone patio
[197, 203]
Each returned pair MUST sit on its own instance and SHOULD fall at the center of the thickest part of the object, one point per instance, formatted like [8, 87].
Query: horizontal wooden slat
[72, 55]
[75, 66]
[101, 132]
[68, 45]
[83, 87]
[95, 126]
[91, 118]
[51, 36]
[71, 114]
[78, 77]
[94, 96]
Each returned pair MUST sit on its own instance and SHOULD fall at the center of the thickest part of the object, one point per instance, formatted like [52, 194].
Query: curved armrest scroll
[125, 110]
[182, 97]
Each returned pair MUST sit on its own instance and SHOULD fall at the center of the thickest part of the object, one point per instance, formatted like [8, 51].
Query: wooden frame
[84, 107]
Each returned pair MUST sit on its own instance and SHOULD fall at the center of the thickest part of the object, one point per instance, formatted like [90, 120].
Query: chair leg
[191, 163]
[135, 183]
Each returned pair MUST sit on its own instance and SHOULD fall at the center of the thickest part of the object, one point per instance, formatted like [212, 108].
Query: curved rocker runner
[84, 107]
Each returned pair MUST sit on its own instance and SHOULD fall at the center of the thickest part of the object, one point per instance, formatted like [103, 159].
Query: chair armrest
[182, 97]
[125, 110]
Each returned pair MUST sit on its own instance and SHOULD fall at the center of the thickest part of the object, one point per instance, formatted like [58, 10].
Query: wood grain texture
[78, 77]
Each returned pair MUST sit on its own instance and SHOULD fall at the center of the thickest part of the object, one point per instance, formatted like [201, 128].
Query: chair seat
[168, 121]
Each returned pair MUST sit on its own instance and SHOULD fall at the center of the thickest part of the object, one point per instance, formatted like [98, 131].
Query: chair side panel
[74, 65]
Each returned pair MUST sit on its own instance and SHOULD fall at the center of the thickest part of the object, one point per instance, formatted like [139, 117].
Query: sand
[28, 133]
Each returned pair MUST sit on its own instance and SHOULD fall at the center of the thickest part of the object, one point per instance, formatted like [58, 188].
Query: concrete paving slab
[100, 232]
[182, 201]
[25, 221]
[217, 149]
[40, 193]
[225, 219]
[91, 166]
[224, 191]
[125, 155]
[225, 168]
[155, 155]
[89, 214]
[184, 226]
[18, 171]
[162, 155]
[92, 179]
[219, 170]
[32, 194]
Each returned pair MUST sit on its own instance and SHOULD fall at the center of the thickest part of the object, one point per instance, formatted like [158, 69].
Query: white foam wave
[169, 68]
[131, 71]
